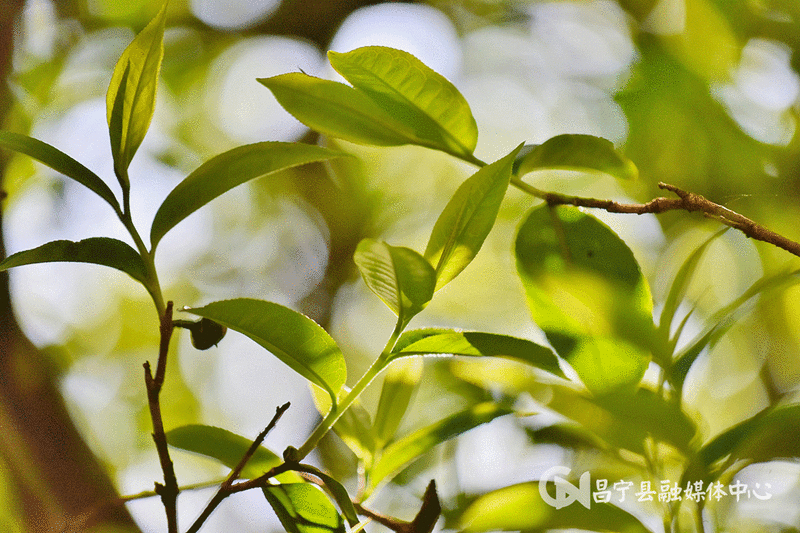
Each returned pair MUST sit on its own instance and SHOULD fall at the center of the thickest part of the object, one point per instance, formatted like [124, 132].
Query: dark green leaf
[399, 385]
[131, 97]
[412, 93]
[578, 152]
[96, 250]
[521, 507]
[402, 278]
[292, 337]
[477, 344]
[769, 435]
[397, 455]
[467, 219]
[303, 508]
[338, 492]
[59, 161]
[228, 170]
[227, 448]
[338, 110]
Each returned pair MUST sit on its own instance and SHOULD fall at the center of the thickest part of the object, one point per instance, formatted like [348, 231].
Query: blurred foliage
[681, 129]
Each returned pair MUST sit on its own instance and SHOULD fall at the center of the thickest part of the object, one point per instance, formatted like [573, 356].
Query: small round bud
[206, 333]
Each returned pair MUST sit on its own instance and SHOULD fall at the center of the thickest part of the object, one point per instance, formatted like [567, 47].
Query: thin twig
[686, 201]
[169, 490]
[226, 488]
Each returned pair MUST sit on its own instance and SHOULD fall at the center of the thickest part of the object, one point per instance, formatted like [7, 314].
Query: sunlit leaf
[521, 507]
[227, 448]
[402, 278]
[477, 344]
[398, 454]
[399, 385]
[338, 110]
[96, 250]
[467, 219]
[354, 427]
[338, 492]
[303, 508]
[606, 364]
[582, 281]
[721, 321]
[131, 97]
[59, 161]
[413, 93]
[228, 170]
[578, 152]
[292, 337]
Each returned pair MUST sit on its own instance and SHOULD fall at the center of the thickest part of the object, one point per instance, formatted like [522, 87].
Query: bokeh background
[702, 94]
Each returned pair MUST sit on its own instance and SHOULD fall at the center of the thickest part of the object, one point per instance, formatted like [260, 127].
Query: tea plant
[584, 288]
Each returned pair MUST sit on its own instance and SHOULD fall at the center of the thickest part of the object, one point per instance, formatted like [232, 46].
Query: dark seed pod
[206, 333]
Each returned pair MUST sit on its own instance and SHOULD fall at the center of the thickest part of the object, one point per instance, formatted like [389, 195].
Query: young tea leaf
[131, 96]
[96, 250]
[398, 454]
[227, 448]
[337, 110]
[578, 152]
[60, 162]
[402, 278]
[303, 508]
[338, 492]
[228, 170]
[477, 344]
[412, 93]
[521, 507]
[290, 336]
[467, 219]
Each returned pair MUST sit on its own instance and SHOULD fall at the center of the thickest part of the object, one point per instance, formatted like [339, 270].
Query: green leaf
[402, 278]
[767, 436]
[228, 170]
[131, 97]
[303, 508]
[723, 320]
[290, 336]
[578, 152]
[680, 284]
[583, 282]
[413, 93]
[338, 492]
[96, 250]
[354, 427]
[60, 162]
[398, 454]
[521, 507]
[477, 344]
[337, 110]
[227, 448]
[467, 219]
[399, 385]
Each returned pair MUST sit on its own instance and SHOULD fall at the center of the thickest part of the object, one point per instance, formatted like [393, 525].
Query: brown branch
[686, 201]
[226, 488]
[169, 490]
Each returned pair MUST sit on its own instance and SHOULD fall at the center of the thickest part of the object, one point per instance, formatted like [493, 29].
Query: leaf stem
[335, 413]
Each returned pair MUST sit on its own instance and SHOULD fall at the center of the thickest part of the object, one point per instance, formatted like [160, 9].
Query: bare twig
[169, 490]
[227, 486]
[686, 201]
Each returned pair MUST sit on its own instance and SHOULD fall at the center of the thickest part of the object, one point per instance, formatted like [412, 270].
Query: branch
[227, 487]
[169, 490]
[686, 201]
